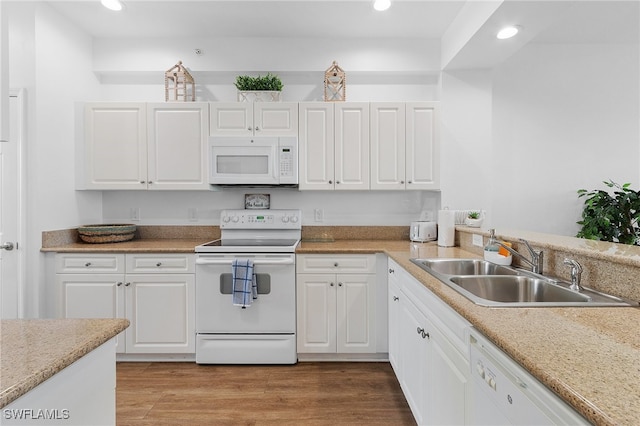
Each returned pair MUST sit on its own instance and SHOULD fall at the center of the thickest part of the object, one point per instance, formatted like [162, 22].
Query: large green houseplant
[611, 217]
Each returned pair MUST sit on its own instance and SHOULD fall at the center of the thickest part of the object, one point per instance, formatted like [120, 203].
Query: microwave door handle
[204, 261]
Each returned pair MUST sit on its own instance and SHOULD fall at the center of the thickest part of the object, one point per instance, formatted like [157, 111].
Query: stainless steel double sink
[489, 284]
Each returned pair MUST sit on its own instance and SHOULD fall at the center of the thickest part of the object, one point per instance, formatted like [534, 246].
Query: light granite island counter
[58, 371]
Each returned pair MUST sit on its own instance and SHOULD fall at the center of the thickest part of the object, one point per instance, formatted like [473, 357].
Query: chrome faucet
[576, 274]
[537, 257]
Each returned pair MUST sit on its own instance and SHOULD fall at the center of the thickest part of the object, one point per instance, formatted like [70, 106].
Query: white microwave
[262, 160]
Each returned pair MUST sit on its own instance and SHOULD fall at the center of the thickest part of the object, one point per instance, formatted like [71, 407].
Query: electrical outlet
[192, 214]
[476, 240]
[134, 213]
[426, 215]
[318, 215]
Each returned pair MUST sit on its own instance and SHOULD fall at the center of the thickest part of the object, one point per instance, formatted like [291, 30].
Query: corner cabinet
[253, 119]
[405, 148]
[334, 146]
[428, 350]
[155, 292]
[336, 299]
[142, 146]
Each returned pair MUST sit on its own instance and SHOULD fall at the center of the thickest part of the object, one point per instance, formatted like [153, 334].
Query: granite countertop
[34, 350]
[151, 245]
[590, 357]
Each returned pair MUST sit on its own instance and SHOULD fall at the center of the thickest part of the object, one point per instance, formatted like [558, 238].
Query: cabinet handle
[391, 271]
[396, 298]
[150, 182]
[257, 129]
[339, 284]
[337, 182]
[127, 284]
[249, 128]
[119, 284]
[86, 265]
[159, 264]
[335, 264]
[421, 332]
[331, 284]
[330, 182]
[402, 181]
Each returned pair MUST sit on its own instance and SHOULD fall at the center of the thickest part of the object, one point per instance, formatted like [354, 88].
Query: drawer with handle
[83, 263]
[160, 263]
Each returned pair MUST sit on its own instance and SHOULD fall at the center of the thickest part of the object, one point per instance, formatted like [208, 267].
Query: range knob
[294, 219]
[226, 219]
[285, 219]
[235, 219]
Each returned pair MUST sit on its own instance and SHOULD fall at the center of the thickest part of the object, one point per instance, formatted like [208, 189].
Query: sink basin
[464, 267]
[488, 284]
[516, 289]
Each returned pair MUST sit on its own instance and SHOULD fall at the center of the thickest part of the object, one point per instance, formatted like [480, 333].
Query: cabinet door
[422, 147]
[316, 317]
[115, 146]
[230, 119]
[356, 313]
[177, 146]
[448, 377]
[316, 145]
[352, 146]
[161, 309]
[393, 306]
[275, 118]
[414, 358]
[388, 134]
[91, 296]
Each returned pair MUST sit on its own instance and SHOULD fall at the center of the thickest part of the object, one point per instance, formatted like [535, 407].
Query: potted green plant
[611, 217]
[260, 88]
[473, 219]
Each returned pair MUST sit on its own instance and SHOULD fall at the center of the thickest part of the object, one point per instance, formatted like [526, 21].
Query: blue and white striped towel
[245, 288]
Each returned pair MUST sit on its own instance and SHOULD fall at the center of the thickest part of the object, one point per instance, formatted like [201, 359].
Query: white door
[161, 308]
[352, 145]
[316, 313]
[356, 313]
[177, 145]
[275, 118]
[388, 134]
[316, 146]
[230, 119]
[115, 146]
[422, 147]
[12, 212]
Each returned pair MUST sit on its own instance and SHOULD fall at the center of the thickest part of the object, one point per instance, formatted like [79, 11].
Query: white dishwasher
[506, 394]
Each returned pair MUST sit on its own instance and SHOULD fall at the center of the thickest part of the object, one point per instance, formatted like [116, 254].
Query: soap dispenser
[492, 247]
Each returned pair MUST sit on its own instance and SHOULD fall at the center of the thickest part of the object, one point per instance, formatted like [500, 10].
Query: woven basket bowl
[108, 233]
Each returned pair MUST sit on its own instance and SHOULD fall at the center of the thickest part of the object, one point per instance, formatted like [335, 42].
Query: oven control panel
[261, 219]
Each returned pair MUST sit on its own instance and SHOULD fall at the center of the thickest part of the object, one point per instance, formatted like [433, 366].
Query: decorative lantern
[179, 85]
[335, 83]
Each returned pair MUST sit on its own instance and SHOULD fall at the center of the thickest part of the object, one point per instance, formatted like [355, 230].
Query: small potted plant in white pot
[473, 219]
[256, 89]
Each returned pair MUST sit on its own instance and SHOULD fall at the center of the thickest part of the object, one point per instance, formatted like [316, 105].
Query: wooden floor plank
[306, 393]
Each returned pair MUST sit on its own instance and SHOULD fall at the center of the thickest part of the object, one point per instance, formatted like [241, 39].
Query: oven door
[274, 311]
[244, 161]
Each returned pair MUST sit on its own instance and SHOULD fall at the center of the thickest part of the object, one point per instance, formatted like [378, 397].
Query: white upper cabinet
[334, 146]
[253, 119]
[114, 146]
[177, 146]
[405, 146]
[143, 146]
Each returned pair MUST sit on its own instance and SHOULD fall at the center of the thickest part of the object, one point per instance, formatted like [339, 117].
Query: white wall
[52, 61]
[565, 117]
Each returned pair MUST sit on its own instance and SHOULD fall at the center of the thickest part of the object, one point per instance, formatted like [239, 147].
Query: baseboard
[356, 357]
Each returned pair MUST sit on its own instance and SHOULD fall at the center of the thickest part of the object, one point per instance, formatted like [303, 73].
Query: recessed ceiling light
[508, 32]
[112, 4]
[381, 4]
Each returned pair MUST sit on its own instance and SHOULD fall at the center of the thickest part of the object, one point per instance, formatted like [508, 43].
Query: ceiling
[330, 19]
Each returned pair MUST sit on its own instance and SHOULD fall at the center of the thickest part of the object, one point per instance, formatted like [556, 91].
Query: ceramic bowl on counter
[107, 233]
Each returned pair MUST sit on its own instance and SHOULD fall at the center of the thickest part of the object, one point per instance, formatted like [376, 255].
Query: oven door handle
[284, 261]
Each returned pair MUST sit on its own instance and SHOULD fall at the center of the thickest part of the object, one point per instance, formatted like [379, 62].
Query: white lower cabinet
[427, 349]
[336, 299]
[155, 292]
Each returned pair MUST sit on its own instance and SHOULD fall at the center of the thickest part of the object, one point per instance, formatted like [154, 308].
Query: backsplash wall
[361, 208]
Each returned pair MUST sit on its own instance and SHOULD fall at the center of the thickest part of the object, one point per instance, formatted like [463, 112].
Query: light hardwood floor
[307, 393]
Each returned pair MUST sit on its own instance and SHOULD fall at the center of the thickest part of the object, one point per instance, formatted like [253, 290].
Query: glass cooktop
[251, 243]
